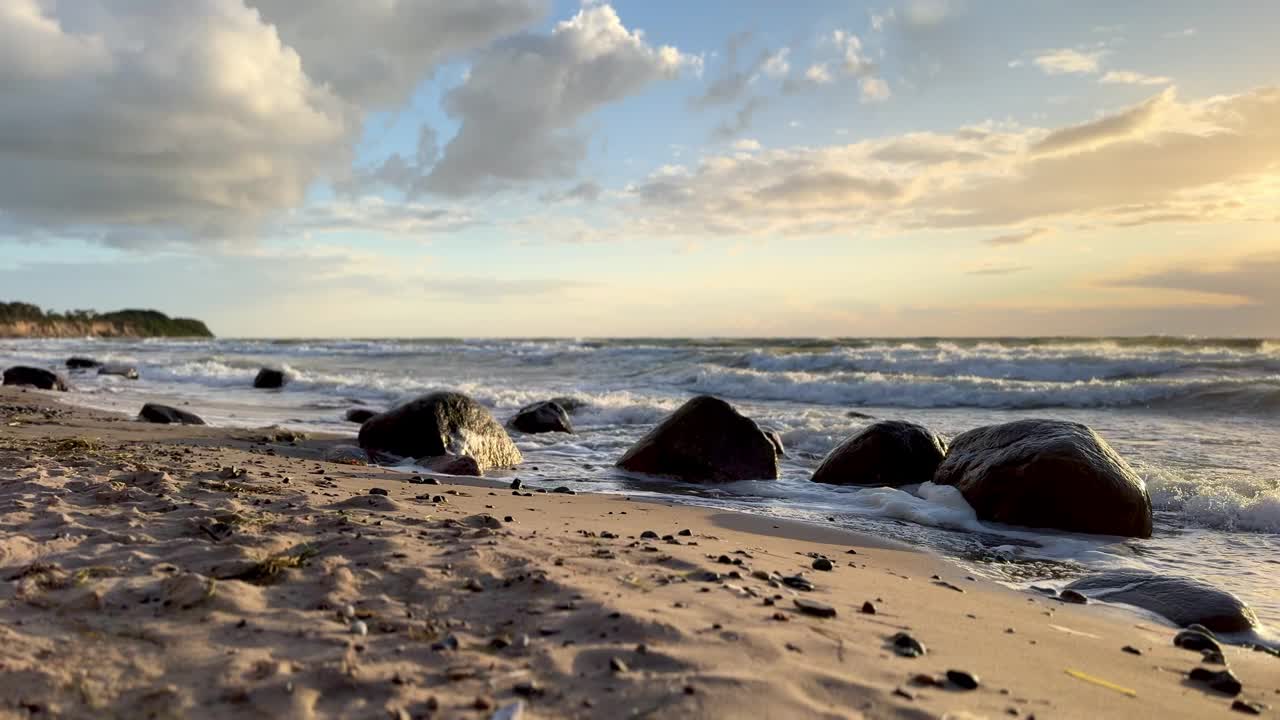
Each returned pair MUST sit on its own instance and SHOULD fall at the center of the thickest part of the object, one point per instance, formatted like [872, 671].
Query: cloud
[1067, 61]
[1109, 128]
[1126, 77]
[1184, 33]
[137, 123]
[521, 103]
[1163, 160]
[1021, 237]
[375, 53]
[874, 90]
[741, 119]
[777, 65]
[850, 61]
[747, 145]
[819, 73]
[923, 13]
[1245, 280]
[998, 270]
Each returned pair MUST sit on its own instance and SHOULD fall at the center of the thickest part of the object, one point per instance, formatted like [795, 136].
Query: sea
[1198, 419]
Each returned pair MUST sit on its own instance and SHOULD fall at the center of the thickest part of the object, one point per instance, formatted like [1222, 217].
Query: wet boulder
[889, 453]
[81, 363]
[346, 455]
[125, 371]
[1048, 474]
[359, 415]
[776, 438]
[451, 465]
[38, 378]
[570, 404]
[269, 379]
[1181, 601]
[705, 440]
[165, 415]
[441, 423]
[541, 417]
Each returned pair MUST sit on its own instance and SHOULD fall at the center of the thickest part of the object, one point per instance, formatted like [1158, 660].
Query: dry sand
[154, 571]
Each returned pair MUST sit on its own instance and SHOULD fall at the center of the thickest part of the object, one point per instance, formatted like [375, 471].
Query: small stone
[378, 491]
[780, 617]
[349, 611]
[482, 703]
[359, 628]
[1073, 597]
[473, 585]
[1224, 681]
[648, 535]
[1131, 650]
[1196, 641]
[823, 564]
[1248, 708]
[1212, 657]
[963, 680]
[907, 646]
[815, 608]
[907, 694]
[927, 680]
[500, 642]
[616, 665]
[508, 518]
[798, 582]
[868, 608]
[529, 689]
[564, 491]
[685, 533]
[516, 484]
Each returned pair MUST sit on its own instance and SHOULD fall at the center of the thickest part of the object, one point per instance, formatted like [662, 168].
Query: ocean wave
[1234, 504]
[914, 391]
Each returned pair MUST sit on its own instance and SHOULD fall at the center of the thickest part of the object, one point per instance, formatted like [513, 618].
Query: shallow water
[1198, 419]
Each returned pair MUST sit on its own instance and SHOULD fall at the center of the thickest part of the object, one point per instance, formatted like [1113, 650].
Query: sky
[399, 168]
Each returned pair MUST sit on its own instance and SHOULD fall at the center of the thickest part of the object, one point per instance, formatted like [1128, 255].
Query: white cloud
[1164, 160]
[520, 105]
[929, 12]
[1019, 237]
[747, 145]
[819, 73]
[1126, 77]
[776, 65]
[1184, 33]
[853, 61]
[874, 90]
[1067, 61]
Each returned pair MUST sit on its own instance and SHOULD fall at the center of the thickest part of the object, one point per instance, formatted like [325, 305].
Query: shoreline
[121, 539]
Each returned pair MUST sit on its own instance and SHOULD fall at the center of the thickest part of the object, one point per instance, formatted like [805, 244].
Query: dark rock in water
[451, 465]
[1072, 596]
[890, 452]
[1182, 601]
[1223, 681]
[1196, 641]
[441, 423]
[705, 440]
[81, 363]
[776, 439]
[358, 415]
[38, 378]
[1047, 473]
[125, 371]
[963, 680]
[516, 484]
[859, 415]
[541, 417]
[907, 646]
[269, 379]
[346, 455]
[156, 413]
[815, 608]
[1248, 708]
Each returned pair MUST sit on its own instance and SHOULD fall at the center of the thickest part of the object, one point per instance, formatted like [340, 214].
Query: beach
[189, 571]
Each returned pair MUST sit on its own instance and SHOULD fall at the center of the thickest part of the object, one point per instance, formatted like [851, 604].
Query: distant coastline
[24, 320]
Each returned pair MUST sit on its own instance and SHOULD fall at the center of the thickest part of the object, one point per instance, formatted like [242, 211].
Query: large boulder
[125, 371]
[441, 423]
[81, 363]
[359, 415]
[157, 413]
[269, 379]
[1182, 601]
[705, 440]
[1050, 474]
[541, 417]
[890, 453]
[38, 378]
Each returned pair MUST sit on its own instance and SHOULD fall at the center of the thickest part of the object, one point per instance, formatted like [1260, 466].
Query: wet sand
[162, 571]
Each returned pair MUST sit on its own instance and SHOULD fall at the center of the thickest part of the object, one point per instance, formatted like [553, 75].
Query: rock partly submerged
[890, 453]
[270, 379]
[38, 378]
[541, 417]
[441, 423]
[1182, 601]
[359, 415]
[166, 415]
[705, 440]
[1048, 474]
[451, 465]
[81, 363]
[128, 372]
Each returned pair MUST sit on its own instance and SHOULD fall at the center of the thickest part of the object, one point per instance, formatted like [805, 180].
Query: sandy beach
[151, 571]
